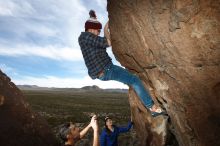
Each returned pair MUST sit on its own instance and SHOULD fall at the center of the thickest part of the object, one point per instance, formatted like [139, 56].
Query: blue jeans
[120, 74]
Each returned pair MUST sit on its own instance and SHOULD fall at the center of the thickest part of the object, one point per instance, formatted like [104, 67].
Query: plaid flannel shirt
[94, 53]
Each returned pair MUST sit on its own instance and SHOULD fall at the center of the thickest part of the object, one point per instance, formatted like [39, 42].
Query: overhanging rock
[174, 47]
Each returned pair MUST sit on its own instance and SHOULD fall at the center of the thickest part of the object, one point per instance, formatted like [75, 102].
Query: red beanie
[92, 22]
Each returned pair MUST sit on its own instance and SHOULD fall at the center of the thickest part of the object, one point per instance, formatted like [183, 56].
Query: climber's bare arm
[107, 33]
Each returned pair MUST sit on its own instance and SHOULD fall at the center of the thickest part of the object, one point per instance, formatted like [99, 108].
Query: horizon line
[66, 87]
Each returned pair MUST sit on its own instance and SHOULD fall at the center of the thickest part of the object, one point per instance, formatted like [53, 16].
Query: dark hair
[64, 130]
[108, 131]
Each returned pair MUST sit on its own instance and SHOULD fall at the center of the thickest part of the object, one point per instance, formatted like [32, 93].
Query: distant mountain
[94, 87]
[28, 86]
[83, 89]
[32, 87]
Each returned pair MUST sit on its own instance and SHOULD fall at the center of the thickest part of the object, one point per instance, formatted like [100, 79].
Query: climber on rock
[109, 135]
[100, 65]
[70, 133]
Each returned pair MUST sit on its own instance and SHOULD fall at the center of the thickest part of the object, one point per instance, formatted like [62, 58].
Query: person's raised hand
[94, 123]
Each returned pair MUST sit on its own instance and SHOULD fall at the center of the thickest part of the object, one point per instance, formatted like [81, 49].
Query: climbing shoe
[157, 112]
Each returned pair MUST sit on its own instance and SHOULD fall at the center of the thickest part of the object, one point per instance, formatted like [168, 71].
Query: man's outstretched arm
[95, 127]
[107, 33]
[84, 131]
[96, 137]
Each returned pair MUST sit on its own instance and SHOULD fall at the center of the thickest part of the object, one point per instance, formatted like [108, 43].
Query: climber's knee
[134, 80]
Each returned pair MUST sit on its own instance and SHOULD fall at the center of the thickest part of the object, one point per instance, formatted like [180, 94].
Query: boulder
[174, 47]
[19, 125]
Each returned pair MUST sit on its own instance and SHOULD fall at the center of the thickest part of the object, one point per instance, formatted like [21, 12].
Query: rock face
[19, 125]
[174, 46]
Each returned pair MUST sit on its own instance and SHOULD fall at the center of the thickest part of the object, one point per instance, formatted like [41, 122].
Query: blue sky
[39, 42]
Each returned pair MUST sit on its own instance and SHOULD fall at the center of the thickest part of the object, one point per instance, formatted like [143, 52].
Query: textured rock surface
[19, 126]
[174, 46]
[150, 131]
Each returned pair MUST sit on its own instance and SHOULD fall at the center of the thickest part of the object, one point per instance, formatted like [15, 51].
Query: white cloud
[13, 8]
[8, 70]
[63, 20]
[51, 81]
[48, 29]
[102, 4]
[6, 8]
[5, 68]
[46, 23]
[52, 52]
[41, 30]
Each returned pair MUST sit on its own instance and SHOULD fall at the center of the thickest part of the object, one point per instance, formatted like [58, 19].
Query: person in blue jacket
[109, 135]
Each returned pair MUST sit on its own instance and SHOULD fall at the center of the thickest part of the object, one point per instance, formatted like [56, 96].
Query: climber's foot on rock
[157, 111]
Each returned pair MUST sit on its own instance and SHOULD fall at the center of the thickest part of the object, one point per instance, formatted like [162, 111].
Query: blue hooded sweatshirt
[111, 139]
